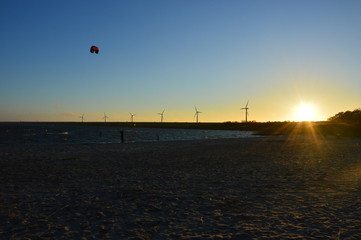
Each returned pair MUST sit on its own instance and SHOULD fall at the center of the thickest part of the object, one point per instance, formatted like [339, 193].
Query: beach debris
[218, 213]
[339, 234]
[57, 211]
[94, 49]
[103, 228]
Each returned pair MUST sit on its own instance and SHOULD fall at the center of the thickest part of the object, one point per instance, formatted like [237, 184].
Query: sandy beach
[255, 188]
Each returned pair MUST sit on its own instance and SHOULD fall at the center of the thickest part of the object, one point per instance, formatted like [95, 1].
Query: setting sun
[305, 112]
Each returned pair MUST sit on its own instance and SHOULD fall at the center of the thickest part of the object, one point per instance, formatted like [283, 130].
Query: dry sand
[260, 188]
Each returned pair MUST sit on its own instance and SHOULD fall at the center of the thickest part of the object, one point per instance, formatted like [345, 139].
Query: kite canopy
[94, 49]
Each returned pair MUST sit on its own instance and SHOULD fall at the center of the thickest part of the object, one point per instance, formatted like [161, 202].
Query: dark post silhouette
[122, 136]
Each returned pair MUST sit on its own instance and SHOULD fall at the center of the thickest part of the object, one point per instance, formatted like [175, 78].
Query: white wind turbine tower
[246, 108]
[105, 117]
[196, 114]
[131, 116]
[161, 116]
[82, 118]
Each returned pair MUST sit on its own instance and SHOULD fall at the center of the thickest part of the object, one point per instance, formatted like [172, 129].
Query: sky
[280, 55]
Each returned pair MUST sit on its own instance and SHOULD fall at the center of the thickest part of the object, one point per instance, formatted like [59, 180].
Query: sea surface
[58, 133]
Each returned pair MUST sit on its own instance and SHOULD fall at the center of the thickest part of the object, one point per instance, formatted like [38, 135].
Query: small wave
[60, 133]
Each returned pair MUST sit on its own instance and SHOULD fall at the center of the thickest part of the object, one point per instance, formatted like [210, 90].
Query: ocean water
[57, 133]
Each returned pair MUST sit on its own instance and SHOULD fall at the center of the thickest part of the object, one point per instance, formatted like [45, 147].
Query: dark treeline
[345, 124]
[348, 117]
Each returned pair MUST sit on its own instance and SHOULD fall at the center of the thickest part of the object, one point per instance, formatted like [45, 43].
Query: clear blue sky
[172, 55]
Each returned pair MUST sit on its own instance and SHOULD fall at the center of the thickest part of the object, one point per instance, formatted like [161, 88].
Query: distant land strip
[325, 128]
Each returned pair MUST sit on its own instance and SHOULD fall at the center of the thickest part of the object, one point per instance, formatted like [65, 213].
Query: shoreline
[34, 134]
[249, 188]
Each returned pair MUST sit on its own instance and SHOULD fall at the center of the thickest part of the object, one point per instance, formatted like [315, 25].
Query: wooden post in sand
[122, 136]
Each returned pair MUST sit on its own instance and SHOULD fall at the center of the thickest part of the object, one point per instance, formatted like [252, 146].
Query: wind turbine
[161, 116]
[105, 117]
[196, 114]
[82, 118]
[131, 116]
[246, 108]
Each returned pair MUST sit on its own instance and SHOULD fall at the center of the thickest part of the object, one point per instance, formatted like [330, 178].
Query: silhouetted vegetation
[344, 124]
[349, 117]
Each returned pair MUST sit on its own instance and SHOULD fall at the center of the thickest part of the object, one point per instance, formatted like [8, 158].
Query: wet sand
[256, 188]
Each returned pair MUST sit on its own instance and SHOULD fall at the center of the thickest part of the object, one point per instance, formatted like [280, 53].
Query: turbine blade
[247, 103]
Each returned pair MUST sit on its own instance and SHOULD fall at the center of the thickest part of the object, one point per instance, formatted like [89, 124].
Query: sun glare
[305, 112]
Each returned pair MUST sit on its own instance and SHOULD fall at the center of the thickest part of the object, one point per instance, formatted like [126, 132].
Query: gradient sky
[172, 54]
